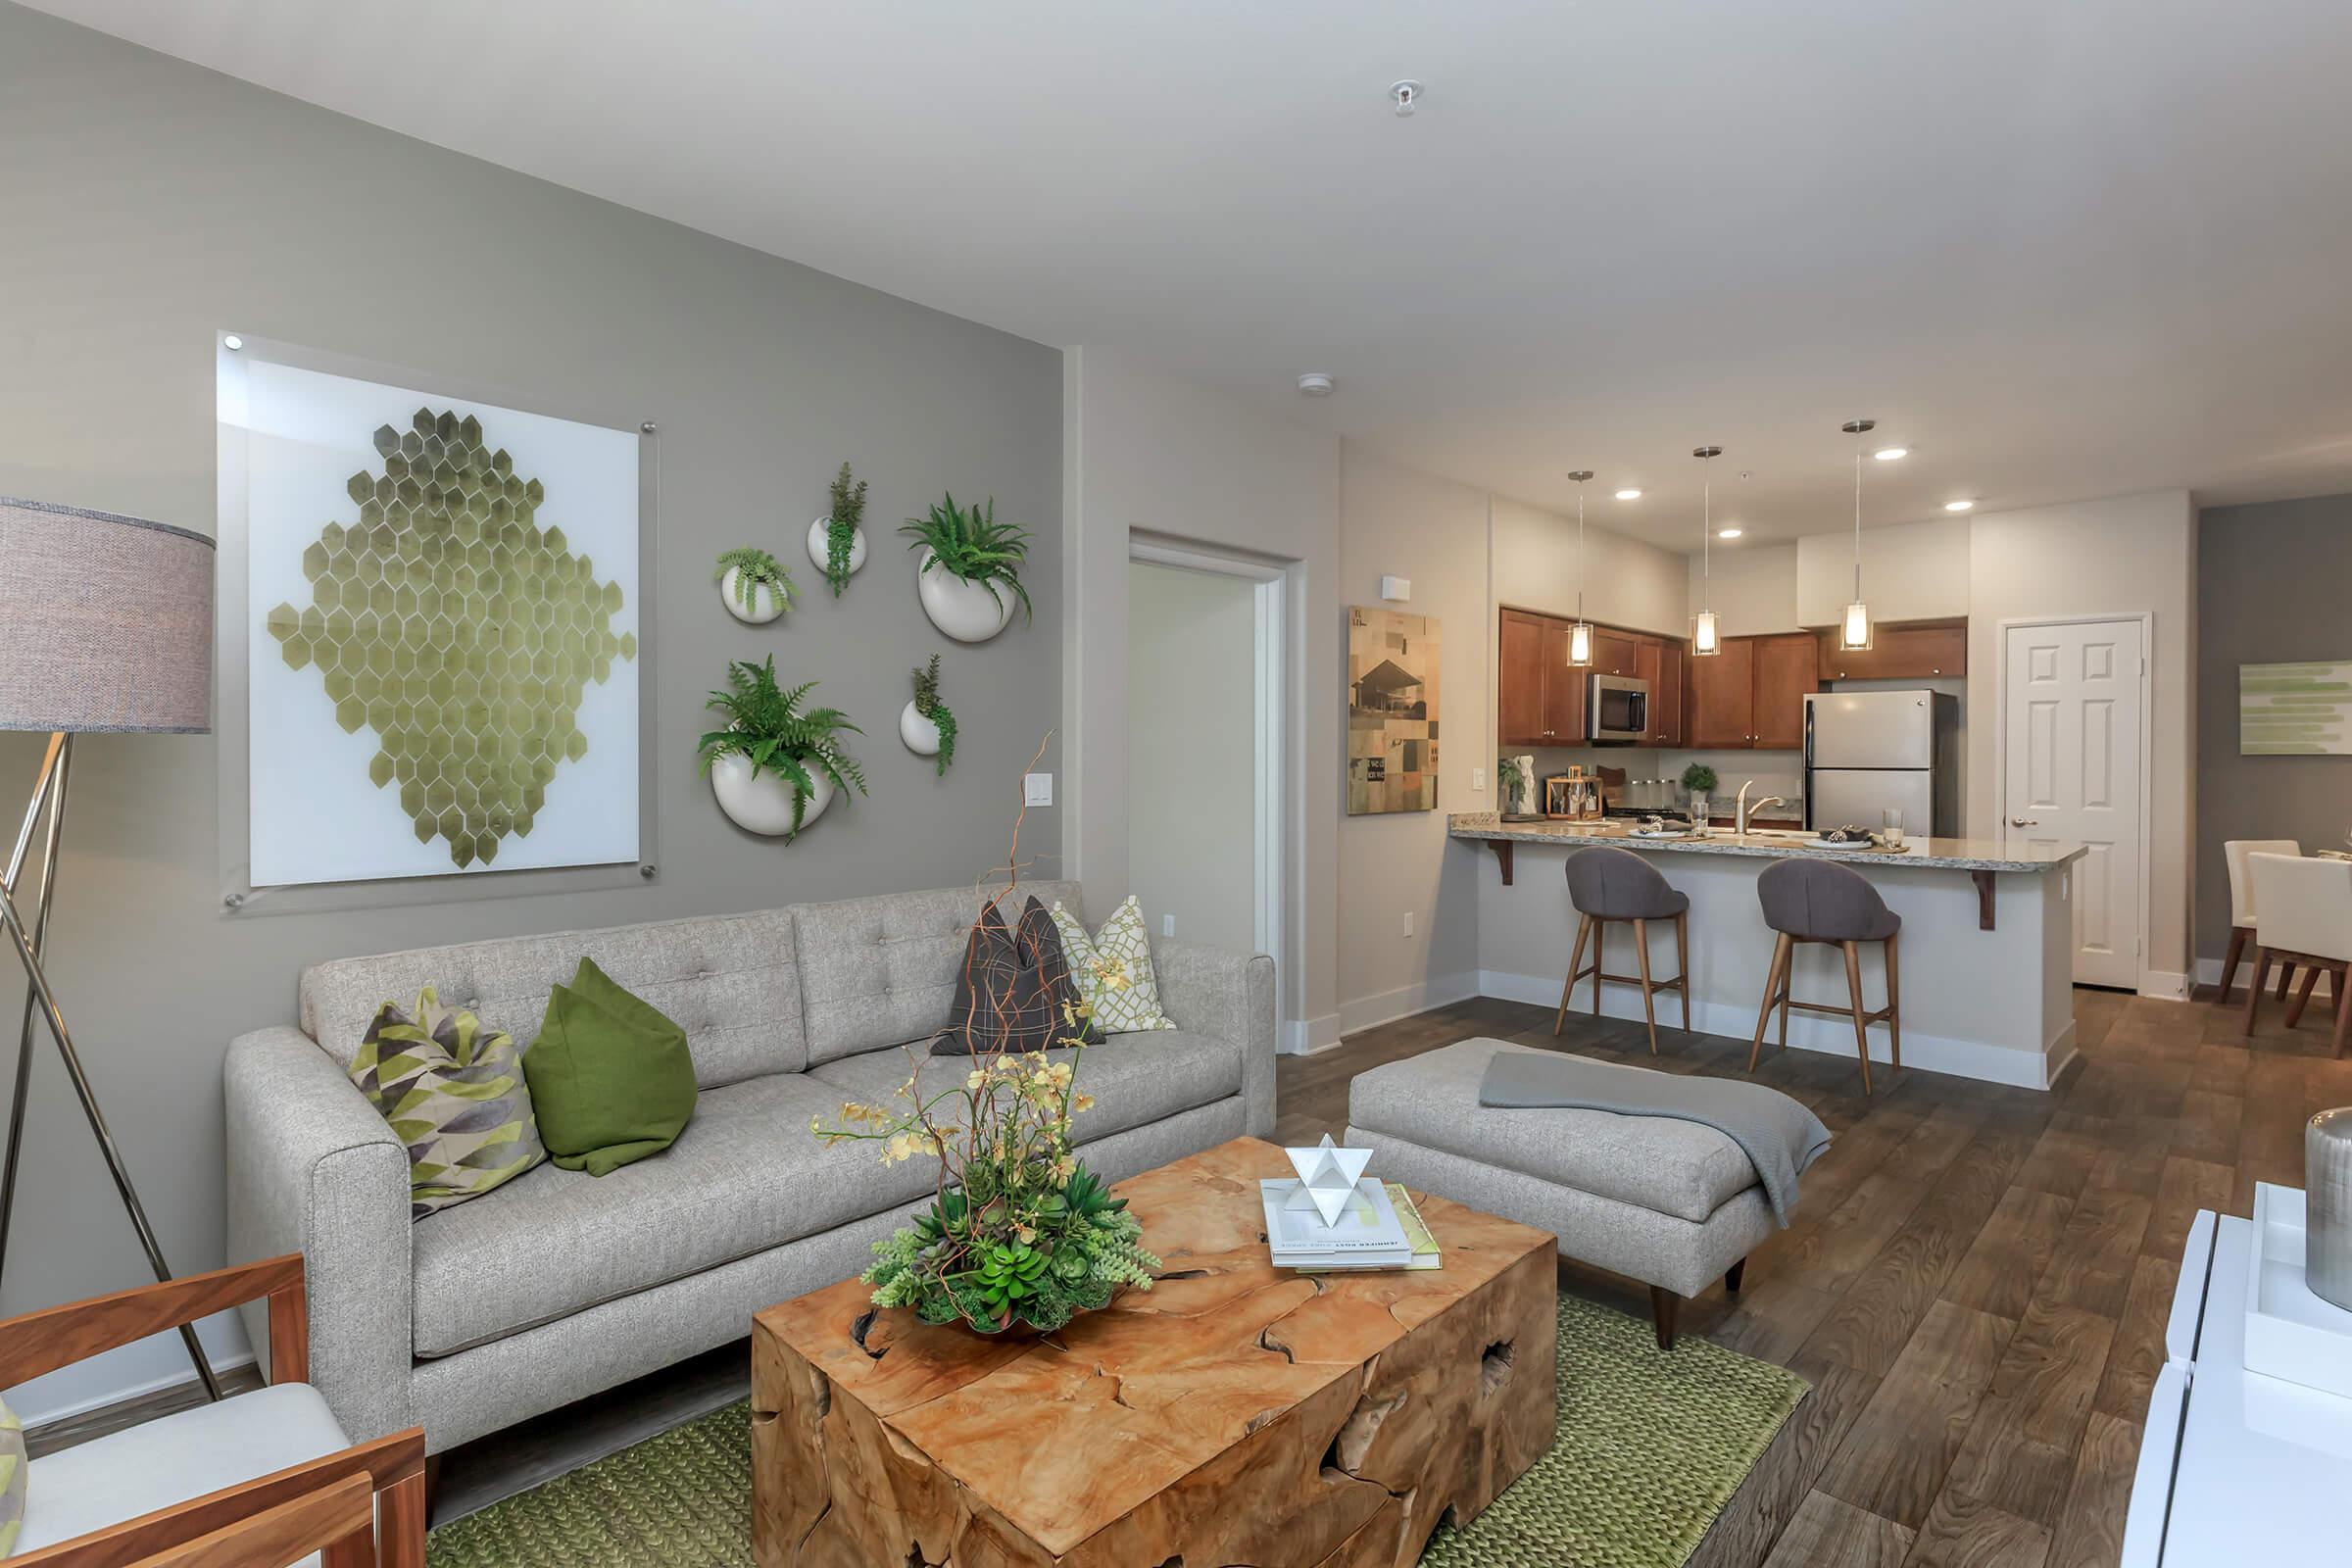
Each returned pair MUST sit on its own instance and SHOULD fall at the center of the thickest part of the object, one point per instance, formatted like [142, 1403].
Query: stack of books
[1378, 1228]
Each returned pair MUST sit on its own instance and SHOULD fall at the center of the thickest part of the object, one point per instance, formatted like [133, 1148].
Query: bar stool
[2241, 904]
[1604, 885]
[1824, 902]
[2306, 908]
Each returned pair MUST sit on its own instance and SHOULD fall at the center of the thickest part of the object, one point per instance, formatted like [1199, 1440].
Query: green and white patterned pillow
[1123, 947]
[454, 1091]
[12, 1479]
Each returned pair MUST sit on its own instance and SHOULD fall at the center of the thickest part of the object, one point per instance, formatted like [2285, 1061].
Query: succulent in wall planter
[836, 540]
[925, 724]
[967, 568]
[753, 585]
[776, 769]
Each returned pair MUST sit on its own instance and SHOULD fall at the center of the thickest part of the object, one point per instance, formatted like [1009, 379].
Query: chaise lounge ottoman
[1672, 1203]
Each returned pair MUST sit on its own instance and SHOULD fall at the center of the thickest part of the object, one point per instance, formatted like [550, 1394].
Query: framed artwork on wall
[1391, 712]
[2294, 709]
[437, 600]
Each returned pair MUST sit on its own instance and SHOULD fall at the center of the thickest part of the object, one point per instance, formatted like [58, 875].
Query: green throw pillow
[611, 1075]
[454, 1092]
[12, 1479]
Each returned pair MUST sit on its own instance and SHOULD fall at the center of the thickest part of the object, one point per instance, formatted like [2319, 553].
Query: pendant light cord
[1579, 551]
[1858, 515]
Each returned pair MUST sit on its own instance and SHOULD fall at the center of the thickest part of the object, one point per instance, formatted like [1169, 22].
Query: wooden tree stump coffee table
[1236, 1413]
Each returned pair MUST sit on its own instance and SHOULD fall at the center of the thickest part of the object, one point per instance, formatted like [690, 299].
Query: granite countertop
[1953, 855]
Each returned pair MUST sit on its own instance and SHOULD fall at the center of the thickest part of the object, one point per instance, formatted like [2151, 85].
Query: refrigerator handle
[1805, 770]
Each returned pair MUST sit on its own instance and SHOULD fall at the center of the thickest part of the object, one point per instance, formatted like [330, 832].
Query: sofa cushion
[1134, 1078]
[1013, 989]
[611, 1076]
[745, 1175]
[452, 1090]
[1654, 1162]
[730, 982]
[881, 971]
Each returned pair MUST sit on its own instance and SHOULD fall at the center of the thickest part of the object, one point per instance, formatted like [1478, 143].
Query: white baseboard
[2164, 986]
[1386, 1007]
[1303, 1036]
[2209, 971]
[148, 1367]
[1966, 1059]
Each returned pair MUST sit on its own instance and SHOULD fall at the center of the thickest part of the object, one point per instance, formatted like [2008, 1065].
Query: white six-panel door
[2071, 741]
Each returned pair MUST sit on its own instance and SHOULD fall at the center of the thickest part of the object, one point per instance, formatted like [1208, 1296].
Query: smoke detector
[1405, 95]
[1314, 384]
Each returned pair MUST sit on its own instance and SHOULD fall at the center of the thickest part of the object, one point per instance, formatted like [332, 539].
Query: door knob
[2025, 821]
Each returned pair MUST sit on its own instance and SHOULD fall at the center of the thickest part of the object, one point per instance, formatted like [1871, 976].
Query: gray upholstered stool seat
[1608, 884]
[1825, 902]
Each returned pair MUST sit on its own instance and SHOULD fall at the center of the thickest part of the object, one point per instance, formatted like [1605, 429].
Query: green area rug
[1651, 1448]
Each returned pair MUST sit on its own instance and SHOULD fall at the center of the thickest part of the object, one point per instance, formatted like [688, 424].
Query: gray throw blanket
[1778, 1136]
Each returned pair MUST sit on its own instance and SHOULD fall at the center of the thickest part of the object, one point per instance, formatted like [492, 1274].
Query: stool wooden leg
[1787, 985]
[1600, 929]
[1682, 961]
[2302, 999]
[2262, 975]
[1853, 989]
[1649, 1013]
[1576, 961]
[1771, 986]
[1662, 1305]
[2237, 945]
[2286, 973]
[1894, 1006]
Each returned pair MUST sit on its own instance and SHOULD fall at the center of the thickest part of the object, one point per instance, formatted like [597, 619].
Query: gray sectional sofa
[559, 1284]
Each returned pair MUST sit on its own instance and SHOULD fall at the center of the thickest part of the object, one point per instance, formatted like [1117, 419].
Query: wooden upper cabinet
[1520, 679]
[1918, 650]
[1723, 698]
[1785, 673]
[1614, 654]
[1666, 696]
[1563, 689]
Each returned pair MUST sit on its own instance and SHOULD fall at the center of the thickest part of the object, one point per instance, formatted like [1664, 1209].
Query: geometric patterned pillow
[12, 1479]
[1113, 969]
[453, 1092]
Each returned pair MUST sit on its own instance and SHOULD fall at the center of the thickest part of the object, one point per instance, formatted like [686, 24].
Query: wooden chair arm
[42, 1342]
[339, 1511]
[375, 1466]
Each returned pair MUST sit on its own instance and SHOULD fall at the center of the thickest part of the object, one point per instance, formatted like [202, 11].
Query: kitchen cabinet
[1752, 694]
[1918, 651]
[1785, 674]
[1540, 698]
[1668, 695]
[1519, 717]
[1614, 654]
[1563, 689]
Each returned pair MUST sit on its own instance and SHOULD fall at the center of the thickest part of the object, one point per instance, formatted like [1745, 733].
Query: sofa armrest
[314, 1169]
[1213, 990]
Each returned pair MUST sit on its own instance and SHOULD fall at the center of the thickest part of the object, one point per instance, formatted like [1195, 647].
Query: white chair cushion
[174, 1459]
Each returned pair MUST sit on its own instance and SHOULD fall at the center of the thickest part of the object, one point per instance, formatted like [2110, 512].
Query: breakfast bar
[1988, 982]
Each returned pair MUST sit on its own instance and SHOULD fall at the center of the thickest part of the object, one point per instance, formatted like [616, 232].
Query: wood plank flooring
[1977, 1280]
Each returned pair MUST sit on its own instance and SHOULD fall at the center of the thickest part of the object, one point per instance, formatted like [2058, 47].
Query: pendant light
[1580, 635]
[1705, 639]
[1855, 632]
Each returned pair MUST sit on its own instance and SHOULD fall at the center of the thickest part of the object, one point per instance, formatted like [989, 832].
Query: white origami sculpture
[1327, 1176]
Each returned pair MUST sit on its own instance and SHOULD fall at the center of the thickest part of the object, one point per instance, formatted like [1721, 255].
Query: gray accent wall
[149, 204]
[2270, 586]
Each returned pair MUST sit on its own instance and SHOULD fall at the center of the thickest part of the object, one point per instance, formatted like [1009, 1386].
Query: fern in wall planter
[753, 585]
[837, 539]
[925, 724]
[968, 568]
[776, 768]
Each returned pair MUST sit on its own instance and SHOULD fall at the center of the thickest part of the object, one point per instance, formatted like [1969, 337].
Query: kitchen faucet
[1740, 817]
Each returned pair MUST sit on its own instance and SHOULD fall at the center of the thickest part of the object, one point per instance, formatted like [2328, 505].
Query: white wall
[1148, 453]
[1628, 583]
[1192, 753]
[1910, 571]
[2120, 555]
[1753, 591]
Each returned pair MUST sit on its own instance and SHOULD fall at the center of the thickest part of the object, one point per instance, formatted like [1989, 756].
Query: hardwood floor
[1977, 1280]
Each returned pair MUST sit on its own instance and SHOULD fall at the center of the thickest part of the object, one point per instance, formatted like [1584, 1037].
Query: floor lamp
[106, 625]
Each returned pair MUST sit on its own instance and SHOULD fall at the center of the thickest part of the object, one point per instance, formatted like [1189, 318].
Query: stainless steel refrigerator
[1868, 750]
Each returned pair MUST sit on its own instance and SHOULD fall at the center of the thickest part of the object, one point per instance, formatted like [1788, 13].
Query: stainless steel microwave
[1617, 709]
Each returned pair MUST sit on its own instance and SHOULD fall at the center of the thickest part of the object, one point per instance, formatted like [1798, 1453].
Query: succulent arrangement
[766, 725]
[841, 527]
[927, 703]
[753, 567]
[970, 543]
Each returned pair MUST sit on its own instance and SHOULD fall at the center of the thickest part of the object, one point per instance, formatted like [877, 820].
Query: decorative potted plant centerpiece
[925, 724]
[1699, 778]
[967, 569]
[836, 540]
[753, 585]
[776, 769]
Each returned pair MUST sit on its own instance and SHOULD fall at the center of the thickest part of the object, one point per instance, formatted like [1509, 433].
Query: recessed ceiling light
[1629, 494]
[1959, 505]
[1727, 533]
[1316, 384]
[1889, 454]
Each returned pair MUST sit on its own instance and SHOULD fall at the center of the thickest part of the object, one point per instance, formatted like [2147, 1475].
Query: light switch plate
[1478, 779]
[1167, 926]
[1037, 789]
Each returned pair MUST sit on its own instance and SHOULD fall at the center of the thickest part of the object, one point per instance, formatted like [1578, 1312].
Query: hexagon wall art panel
[444, 671]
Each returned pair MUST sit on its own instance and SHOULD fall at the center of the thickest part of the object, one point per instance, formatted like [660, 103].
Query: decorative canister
[2328, 1205]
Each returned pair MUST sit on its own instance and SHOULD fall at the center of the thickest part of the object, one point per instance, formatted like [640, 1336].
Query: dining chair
[2306, 919]
[2242, 901]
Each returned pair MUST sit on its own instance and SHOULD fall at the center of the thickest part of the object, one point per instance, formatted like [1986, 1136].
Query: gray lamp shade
[106, 623]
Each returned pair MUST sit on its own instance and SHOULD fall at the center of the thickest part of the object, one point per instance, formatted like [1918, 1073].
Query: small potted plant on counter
[836, 540]
[1699, 779]
[967, 568]
[753, 585]
[776, 769]
[925, 724]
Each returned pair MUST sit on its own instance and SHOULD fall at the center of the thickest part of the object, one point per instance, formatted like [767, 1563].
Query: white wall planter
[966, 611]
[921, 734]
[817, 545]
[762, 804]
[766, 603]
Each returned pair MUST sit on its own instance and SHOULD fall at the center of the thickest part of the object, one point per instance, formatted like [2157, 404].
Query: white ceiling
[2061, 248]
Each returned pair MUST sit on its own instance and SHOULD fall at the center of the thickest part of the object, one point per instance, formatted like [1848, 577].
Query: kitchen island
[1988, 950]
